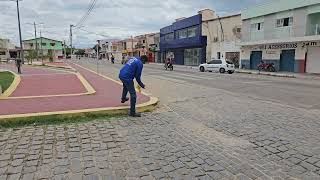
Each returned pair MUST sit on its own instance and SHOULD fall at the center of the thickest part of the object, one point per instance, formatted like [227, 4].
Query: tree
[67, 51]
[31, 56]
[80, 52]
[50, 56]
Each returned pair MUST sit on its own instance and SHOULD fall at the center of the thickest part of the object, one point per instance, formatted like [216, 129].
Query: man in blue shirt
[132, 69]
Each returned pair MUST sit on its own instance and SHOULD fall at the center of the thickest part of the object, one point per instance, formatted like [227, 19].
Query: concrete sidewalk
[106, 98]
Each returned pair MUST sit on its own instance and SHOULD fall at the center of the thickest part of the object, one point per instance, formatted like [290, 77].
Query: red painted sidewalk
[39, 81]
[107, 94]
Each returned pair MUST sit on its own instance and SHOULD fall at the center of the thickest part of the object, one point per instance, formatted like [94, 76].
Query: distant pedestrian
[19, 64]
[132, 69]
[112, 59]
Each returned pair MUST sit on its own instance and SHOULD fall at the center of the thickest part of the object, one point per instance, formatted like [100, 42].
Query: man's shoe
[125, 100]
[135, 115]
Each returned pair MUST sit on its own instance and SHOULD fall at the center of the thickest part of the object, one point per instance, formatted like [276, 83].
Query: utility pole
[98, 45]
[35, 37]
[41, 47]
[132, 46]
[20, 36]
[71, 26]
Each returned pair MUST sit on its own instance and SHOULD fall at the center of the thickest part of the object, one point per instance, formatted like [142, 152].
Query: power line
[93, 33]
[87, 14]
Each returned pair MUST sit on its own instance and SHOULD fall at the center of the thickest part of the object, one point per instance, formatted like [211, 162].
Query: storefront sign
[279, 46]
[310, 44]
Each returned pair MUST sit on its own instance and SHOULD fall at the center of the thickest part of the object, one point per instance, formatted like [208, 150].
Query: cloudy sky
[111, 18]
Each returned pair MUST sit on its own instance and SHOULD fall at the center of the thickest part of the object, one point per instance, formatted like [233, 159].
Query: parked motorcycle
[269, 67]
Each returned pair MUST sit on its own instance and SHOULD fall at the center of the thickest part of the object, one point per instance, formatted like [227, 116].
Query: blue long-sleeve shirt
[132, 69]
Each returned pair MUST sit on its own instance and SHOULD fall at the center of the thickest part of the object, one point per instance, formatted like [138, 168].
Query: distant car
[218, 65]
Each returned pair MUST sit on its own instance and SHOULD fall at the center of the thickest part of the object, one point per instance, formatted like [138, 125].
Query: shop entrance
[255, 59]
[287, 58]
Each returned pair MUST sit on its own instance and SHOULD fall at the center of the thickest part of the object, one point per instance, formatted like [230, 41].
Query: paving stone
[60, 170]
[158, 174]
[198, 160]
[14, 176]
[192, 165]
[168, 168]
[91, 177]
[29, 176]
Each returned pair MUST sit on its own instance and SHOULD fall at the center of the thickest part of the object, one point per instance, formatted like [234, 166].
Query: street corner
[104, 101]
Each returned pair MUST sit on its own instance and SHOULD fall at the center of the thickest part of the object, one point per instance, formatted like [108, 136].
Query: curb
[267, 74]
[16, 81]
[122, 110]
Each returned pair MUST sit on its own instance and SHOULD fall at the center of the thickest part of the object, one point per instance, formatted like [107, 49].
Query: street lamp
[20, 37]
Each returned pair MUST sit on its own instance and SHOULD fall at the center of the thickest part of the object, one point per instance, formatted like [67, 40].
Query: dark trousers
[19, 69]
[129, 87]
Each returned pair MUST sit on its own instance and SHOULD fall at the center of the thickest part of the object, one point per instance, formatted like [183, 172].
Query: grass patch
[54, 120]
[6, 79]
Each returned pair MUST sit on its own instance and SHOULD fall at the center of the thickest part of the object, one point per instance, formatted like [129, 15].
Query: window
[238, 30]
[169, 36]
[144, 41]
[192, 57]
[192, 32]
[2, 53]
[187, 33]
[44, 44]
[284, 22]
[257, 27]
[218, 55]
[183, 33]
[52, 44]
[31, 44]
[217, 62]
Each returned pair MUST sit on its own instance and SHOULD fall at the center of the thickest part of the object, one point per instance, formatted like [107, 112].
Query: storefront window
[186, 33]
[192, 56]
[169, 36]
[183, 33]
[192, 32]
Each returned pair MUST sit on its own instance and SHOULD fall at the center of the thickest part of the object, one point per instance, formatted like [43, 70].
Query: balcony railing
[314, 30]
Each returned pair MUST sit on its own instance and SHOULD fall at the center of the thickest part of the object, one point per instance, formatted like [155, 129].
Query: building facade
[129, 47]
[45, 46]
[147, 45]
[7, 49]
[285, 33]
[224, 36]
[184, 42]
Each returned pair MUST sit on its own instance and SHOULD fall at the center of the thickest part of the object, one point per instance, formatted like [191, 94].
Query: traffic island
[104, 102]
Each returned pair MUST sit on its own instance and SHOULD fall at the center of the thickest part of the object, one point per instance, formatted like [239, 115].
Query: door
[313, 60]
[287, 59]
[215, 66]
[255, 59]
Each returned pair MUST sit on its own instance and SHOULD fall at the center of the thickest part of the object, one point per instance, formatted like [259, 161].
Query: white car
[218, 65]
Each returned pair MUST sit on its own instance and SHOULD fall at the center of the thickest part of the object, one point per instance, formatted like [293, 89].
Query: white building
[223, 35]
[6, 47]
[285, 33]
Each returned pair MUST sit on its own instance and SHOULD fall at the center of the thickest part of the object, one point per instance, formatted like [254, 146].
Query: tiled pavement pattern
[287, 136]
[160, 145]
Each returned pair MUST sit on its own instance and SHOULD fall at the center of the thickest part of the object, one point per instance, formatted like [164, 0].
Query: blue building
[183, 41]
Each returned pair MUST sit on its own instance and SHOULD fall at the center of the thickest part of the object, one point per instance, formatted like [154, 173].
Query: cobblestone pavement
[198, 132]
[162, 144]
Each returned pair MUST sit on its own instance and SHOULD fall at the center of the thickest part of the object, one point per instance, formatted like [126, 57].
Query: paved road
[208, 126]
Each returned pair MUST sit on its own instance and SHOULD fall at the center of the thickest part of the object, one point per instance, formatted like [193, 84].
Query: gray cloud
[112, 18]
